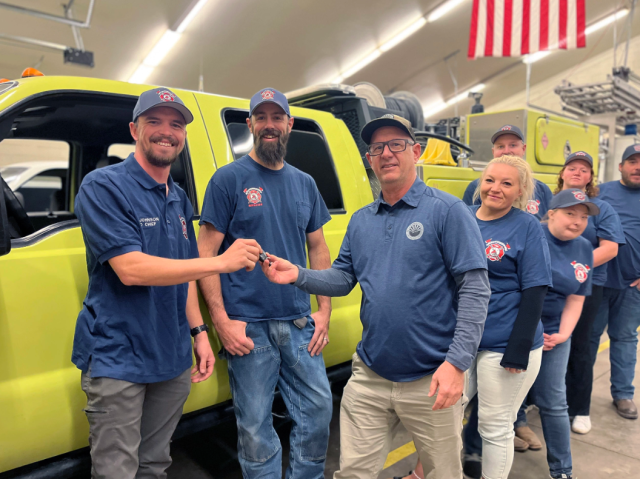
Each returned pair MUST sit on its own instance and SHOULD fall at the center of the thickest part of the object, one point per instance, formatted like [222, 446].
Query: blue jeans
[620, 311]
[280, 357]
[549, 393]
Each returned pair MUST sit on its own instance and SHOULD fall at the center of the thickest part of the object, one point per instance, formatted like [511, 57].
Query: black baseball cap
[630, 151]
[386, 120]
[572, 197]
[579, 155]
[161, 97]
[507, 130]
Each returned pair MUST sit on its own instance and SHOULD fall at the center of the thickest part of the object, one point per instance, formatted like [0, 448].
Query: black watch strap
[199, 329]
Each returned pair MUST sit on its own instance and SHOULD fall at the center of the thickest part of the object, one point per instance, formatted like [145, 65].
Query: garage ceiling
[244, 45]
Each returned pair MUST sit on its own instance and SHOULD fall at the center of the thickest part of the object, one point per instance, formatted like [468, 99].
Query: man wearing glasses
[419, 258]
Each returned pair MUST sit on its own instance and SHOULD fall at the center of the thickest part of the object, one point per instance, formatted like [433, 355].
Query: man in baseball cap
[161, 97]
[269, 95]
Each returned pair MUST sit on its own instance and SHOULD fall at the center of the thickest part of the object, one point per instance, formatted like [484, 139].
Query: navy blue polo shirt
[537, 207]
[518, 259]
[572, 271]
[624, 269]
[138, 334]
[277, 208]
[604, 226]
[405, 258]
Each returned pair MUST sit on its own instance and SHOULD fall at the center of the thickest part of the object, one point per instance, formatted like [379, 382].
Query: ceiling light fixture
[399, 37]
[534, 57]
[441, 105]
[166, 43]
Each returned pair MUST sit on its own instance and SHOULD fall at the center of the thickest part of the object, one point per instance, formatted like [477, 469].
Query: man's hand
[233, 334]
[448, 381]
[280, 271]
[243, 253]
[204, 358]
[317, 344]
[552, 340]
[636, 284]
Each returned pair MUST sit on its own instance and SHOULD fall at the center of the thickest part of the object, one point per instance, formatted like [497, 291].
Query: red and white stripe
[509, 28]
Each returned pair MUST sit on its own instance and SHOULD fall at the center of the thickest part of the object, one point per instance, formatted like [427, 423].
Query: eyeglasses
[395, 146]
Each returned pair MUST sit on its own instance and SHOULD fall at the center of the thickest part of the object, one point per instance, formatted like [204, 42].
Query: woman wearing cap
[604, 232]
[571, 266]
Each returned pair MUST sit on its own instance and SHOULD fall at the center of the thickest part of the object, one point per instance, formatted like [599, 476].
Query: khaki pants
[372, 407]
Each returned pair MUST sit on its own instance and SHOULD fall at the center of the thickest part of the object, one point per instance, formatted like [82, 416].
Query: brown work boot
[519, 445]
[526, 434]
[626, 408]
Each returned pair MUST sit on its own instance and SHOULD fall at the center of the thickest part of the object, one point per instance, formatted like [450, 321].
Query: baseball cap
[579, 155]
[386, 120]
[630, 151]
[161, 97]
[269, 95]
[572, 197]
[507, 130]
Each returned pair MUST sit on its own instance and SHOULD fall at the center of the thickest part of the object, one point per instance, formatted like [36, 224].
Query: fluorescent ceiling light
[605, 21]
[141, 74]
[443, 9]
[534, 57]
[166, 43]
[404, 34]
[190, 16]
[434, 108]
[362, 63]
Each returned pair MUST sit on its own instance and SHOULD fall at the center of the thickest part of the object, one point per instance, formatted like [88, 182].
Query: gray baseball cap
[507, 130]
[579, 155]
[161, 97]
[630, 151]
[572, 197]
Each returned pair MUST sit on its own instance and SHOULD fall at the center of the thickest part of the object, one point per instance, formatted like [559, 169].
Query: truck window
[307, 150]
[49, 144]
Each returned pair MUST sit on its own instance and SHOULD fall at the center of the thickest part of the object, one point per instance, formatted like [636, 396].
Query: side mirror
[5, 234]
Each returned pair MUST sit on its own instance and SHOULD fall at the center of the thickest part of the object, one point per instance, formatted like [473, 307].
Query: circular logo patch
[166, 95]
[533, 206]
[415, 231]
[580, 196]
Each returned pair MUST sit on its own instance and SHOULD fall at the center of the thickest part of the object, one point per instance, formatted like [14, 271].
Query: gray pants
[130, 425]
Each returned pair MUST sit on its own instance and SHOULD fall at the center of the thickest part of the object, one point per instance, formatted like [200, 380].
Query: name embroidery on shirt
[582, 271]
[495, 250]
[533, 206]
[183, 222]
[254, 195]
[149, 222]
[415, 231]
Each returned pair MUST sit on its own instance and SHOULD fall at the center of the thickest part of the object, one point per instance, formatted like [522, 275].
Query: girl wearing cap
[604, 232]
[572, 269]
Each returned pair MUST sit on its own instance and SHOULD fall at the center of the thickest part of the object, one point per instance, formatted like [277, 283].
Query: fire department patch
[254, 195]
[582, 271]
[533, 206]
[637, 147]
[267, 95]
[580, 196]
[505, 128]
[183, 222]
[166, 95]
[495, 250]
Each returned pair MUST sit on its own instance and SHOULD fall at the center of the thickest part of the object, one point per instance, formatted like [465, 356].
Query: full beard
[158, 160]
[626, 179]
[271, 153]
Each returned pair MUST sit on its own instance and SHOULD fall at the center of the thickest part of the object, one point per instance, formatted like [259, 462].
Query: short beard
[626, 179]
[159, 161]
[271, 154]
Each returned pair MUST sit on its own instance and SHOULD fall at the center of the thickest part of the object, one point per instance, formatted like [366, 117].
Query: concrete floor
[610, 450]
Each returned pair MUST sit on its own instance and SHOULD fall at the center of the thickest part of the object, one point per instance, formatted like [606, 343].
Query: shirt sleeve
[462, 246]
[468, 193]
[608, 225]
[319, 212]
[218, 206]
[534, 260]
[109, 225]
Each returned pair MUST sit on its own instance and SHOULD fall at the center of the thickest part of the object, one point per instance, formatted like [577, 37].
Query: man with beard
[268, 335]
[133, 335]
[620, 308]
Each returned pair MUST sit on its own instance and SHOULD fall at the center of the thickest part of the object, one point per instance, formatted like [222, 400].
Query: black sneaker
[563, 476]
[472, 466]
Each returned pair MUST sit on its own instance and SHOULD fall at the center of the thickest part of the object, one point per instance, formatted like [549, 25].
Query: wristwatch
[199, 329]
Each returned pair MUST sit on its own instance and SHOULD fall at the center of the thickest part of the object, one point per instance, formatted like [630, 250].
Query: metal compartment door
[555, 140]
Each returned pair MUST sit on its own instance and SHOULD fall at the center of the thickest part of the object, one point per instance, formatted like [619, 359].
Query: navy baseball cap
[507, 130]
[386, 120]
[161, 97]
[630, 151]
[579, 155]
[269, 95]
[572, 197]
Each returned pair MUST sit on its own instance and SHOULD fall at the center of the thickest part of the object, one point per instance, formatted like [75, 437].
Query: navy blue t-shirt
[138, 334]
[604, 226]
[624, 269]
[537, 207]
[518, 259]
[277, 208]
[406, 258]
[572, 269]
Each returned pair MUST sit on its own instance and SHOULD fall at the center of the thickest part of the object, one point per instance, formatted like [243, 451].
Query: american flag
[508, 28]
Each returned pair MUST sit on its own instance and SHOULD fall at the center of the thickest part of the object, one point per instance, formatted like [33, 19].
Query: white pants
[500, 394]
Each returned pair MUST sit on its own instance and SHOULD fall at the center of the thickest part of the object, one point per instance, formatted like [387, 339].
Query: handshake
[245, 253]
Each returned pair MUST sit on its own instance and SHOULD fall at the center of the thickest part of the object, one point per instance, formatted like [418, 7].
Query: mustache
[270, 132]
[164, 138]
